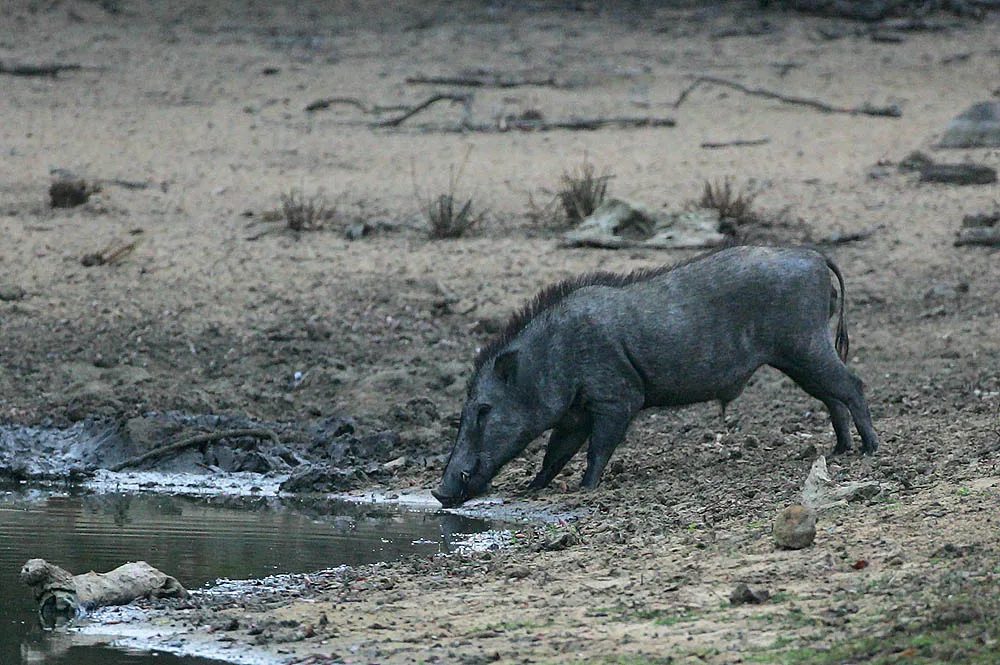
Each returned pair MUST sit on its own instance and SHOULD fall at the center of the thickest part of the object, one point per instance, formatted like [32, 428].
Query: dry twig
[736, 143]
[848, 236]
[891, 111]
[38, 70]
[988, 235]
[115, 252]
[259, 433]
[398, 120]
[485, 80]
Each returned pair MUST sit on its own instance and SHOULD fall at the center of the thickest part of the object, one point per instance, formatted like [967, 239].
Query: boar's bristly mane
[549, 297]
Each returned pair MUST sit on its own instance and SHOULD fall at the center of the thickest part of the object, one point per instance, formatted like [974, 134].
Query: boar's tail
[843, 342]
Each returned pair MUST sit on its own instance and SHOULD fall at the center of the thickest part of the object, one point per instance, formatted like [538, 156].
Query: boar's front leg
[610, 425]
[567, 437]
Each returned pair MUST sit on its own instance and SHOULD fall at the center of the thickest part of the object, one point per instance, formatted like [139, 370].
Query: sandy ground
[218, 310]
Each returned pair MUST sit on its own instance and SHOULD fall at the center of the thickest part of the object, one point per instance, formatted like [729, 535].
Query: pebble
[11, 293]
[743, 595]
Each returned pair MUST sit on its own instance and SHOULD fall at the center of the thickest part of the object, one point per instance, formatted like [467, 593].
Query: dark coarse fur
[553, 294]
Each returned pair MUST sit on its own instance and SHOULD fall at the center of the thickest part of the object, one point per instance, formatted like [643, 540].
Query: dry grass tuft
[301, 213]
[447, 216]
[448, 220]
[582, 192]
[731, 204]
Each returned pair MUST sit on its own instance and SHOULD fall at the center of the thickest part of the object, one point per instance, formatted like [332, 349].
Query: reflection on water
[196, 541]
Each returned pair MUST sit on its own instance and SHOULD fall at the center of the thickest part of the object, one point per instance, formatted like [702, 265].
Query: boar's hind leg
[567, 437]
[840, 416]
[828, 380]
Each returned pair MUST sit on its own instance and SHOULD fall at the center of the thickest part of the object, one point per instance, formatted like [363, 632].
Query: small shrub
[301, 213]
[582, 192]
[447, 216]
[731, 204]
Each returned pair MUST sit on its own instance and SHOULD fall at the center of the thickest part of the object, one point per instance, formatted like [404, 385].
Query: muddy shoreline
[175, 302]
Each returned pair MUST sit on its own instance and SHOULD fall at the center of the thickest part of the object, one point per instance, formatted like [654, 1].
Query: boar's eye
[484, 410]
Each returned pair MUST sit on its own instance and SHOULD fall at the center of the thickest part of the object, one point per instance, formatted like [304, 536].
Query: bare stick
[484, 81]
[326, 103]
[576, 124]
[685, 92]
[194, 441]
[737, 143]
[398, 120]
[891, 111]
[38, 70]
[599, 123]
[848, 236]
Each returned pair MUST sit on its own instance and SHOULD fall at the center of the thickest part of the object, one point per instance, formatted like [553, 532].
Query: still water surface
[195, 540]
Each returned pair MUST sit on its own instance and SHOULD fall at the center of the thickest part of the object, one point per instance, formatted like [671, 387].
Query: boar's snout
[446, 500]
[457, 488]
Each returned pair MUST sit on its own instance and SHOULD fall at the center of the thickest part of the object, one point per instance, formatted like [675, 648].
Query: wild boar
[587, 354]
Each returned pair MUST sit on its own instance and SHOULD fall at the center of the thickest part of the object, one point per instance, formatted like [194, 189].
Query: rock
[557, 542]
[419, 411]
[357, 230]
[392, 465]
[255, 462]
[221, 456]
[944, 291]
[323, 478]
[619, 223]
[952, 551]
[744, 595]
[11, 293]
[915, 161]
[70, 193]
[976, 127]
[820, 491]
[381, 445]
[519, 572]
[795, 528]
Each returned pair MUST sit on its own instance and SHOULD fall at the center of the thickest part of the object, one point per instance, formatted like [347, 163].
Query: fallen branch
[38, 70]
[891, 111]
[981, 219]
[959, 174]
[576, 124]
[194, 441]
[737, 143]
[848, 236]
[989, 236]
[60, 593]
[870, 11]
[326, 103]
[115, 252]
[485, 81]
[398, 120]
[585, 124]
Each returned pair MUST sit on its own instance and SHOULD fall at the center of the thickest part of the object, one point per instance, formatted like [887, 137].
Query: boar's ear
[505, 367]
